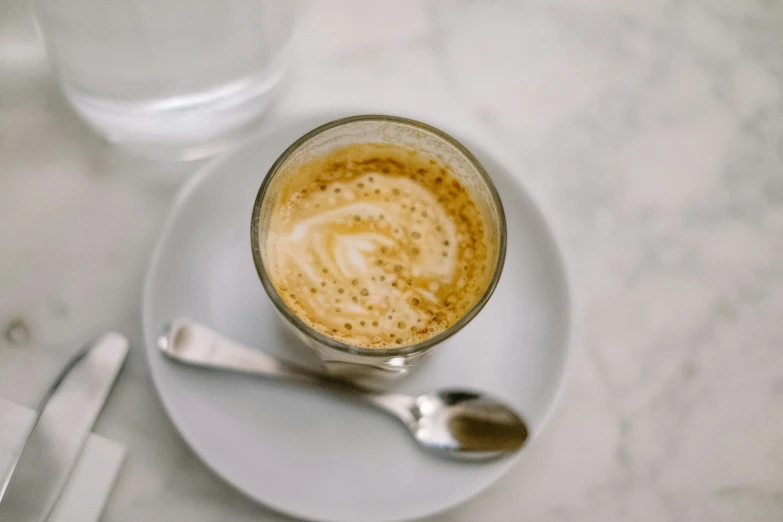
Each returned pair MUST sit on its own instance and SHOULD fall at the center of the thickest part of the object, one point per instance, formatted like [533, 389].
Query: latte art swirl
[377, 258]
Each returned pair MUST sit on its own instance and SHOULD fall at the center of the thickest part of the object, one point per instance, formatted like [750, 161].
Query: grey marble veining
[652, 132]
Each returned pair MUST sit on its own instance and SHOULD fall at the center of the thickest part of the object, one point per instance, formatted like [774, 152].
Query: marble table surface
[652, 132]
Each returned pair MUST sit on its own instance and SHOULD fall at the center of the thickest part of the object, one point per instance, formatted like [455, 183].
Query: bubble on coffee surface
[375, 246]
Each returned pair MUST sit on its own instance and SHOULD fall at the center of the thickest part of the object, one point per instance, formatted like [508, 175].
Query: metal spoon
[458, 424]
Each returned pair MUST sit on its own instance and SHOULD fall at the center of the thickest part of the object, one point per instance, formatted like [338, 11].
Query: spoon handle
[186, 341]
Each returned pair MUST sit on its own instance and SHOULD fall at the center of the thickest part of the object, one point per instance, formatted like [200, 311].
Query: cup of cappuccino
[377, 238]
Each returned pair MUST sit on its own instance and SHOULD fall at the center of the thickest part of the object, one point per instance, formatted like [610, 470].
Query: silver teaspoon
[458, 424]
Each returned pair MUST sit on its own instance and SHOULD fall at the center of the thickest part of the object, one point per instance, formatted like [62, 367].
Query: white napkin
[92, 478]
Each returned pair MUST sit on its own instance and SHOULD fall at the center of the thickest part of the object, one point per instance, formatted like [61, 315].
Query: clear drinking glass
[169, 79]
[338, 358]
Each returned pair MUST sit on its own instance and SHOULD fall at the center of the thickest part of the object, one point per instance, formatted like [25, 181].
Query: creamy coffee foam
[376, 246]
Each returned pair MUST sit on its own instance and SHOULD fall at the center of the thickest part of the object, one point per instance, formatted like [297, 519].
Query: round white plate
[308, 454]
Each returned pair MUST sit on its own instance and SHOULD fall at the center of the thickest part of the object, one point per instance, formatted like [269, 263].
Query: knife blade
[63, 425]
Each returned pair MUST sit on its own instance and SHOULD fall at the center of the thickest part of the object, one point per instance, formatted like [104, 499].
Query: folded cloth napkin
[91, 480]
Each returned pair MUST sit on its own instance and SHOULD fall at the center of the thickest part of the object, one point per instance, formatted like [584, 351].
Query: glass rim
[303, 327]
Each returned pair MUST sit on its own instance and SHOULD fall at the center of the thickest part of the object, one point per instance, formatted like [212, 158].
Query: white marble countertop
[651, 131]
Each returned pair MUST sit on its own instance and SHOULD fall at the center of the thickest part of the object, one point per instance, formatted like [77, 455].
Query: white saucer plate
[308, 454]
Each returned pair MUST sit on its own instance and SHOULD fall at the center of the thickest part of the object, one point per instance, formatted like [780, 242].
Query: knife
[64, 422]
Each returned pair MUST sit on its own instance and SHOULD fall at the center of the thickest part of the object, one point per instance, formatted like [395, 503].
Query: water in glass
[168, 78]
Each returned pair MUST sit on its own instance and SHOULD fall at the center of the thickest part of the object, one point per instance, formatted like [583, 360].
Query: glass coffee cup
[343, 359]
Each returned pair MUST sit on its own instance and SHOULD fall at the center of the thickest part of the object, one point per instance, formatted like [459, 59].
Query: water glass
[169, 79]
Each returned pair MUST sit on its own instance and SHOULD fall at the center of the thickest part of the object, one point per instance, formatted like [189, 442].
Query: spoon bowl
[467, 424]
